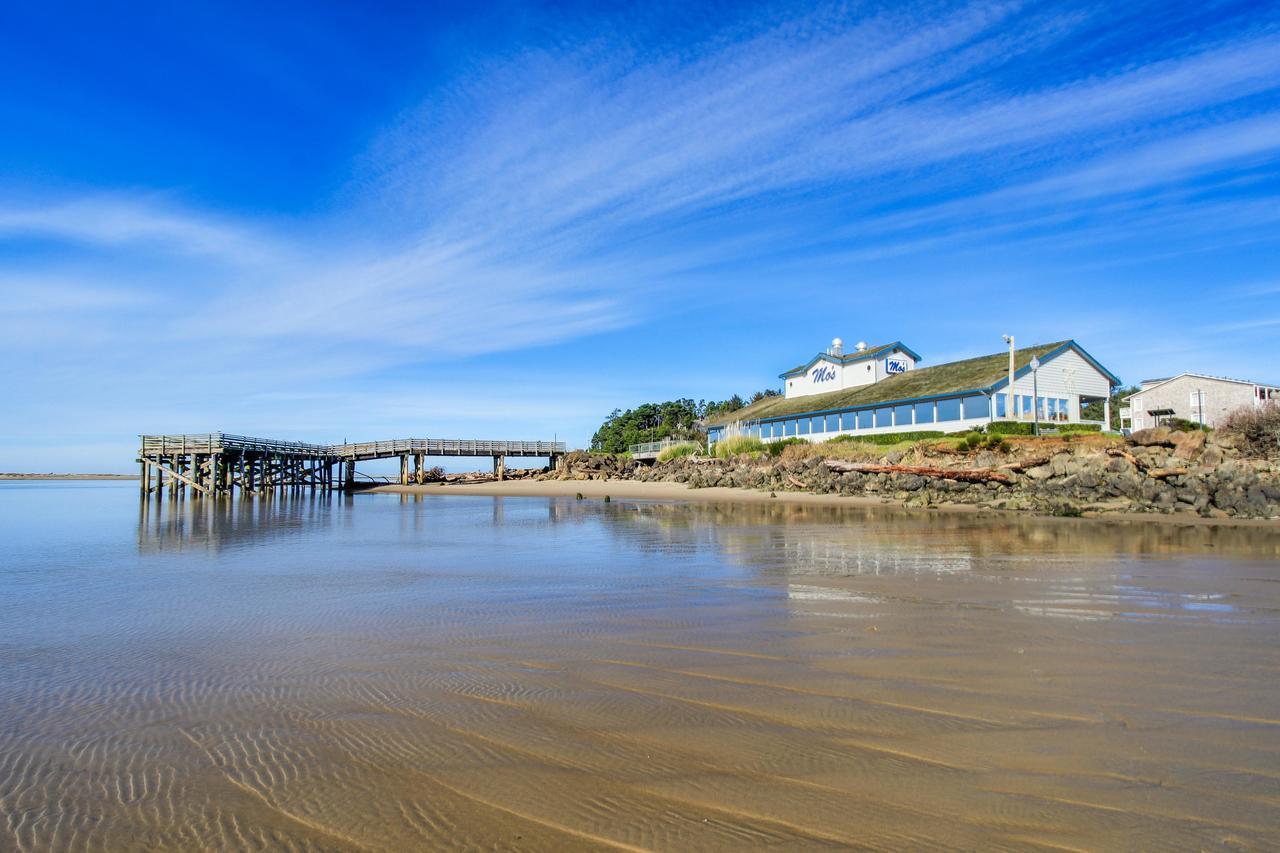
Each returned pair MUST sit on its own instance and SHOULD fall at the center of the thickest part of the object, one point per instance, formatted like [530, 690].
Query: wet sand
[639, 490]
[391, 672]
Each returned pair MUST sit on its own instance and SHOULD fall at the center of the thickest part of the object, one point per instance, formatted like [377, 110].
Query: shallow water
[384, 672]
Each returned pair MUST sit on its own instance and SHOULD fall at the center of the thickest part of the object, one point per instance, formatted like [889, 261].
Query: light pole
[1008, 339]
[1035, 392]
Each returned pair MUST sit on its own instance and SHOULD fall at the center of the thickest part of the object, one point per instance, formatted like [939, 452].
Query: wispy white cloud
[564, 192]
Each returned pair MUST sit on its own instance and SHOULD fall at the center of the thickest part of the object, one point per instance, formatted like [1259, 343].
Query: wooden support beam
[418, 473]
[174, 476]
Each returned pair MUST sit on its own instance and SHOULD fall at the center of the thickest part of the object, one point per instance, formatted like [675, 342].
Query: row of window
[905, 415]
[1051, 408]
[909, 415]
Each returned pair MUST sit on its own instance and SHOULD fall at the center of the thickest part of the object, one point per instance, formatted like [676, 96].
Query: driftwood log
[970, 475]
[1024, 464]
[1126, 455]
[799, 484]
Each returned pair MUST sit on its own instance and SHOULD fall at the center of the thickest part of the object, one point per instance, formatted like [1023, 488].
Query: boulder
[1188, 444]
[1212, 456]
[1160, 436]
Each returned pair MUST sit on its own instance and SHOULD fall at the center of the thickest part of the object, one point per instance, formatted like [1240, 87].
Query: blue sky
[328, 221]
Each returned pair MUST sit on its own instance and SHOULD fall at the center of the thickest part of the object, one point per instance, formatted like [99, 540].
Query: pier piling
[218, 464]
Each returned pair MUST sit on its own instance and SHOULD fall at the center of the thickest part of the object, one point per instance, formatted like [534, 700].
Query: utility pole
[1035, 392]
[1008, 339]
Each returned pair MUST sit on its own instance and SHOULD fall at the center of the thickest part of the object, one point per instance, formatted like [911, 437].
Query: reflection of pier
[217, 464]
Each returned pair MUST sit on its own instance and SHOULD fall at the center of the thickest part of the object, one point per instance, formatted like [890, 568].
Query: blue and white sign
[823, 374]
[896, 365]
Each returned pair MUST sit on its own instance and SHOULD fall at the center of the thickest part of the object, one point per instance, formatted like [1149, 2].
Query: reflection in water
[409, 672]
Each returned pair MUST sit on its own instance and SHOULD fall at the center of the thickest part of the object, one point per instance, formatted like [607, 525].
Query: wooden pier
[218, 464]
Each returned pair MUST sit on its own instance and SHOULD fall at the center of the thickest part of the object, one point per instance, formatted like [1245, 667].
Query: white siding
[825, 376]
[1220, 397]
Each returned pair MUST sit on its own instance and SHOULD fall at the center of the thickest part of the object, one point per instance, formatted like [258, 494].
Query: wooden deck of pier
[217, 464]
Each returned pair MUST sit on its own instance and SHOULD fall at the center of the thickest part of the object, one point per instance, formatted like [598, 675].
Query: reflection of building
[1193, 397]
[881, 389]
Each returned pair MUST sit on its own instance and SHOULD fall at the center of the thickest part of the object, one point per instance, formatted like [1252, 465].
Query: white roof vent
[861, 346]
[837, 347]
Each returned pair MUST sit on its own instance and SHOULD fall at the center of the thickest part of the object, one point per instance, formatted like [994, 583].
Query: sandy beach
[15, 476]
[650, 491]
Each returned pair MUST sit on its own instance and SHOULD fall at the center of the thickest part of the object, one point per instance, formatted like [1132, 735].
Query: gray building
[1193, 397]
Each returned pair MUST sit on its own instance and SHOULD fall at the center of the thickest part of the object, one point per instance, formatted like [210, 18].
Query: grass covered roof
[967, 375]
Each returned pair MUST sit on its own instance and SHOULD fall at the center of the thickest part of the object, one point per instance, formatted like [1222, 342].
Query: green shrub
[1010, 428]
[775, 448]
[727, 448]
[996, 443]
[1184, 425]
[891, 437]
[971, 440]
[1077, 427]
[676, 451]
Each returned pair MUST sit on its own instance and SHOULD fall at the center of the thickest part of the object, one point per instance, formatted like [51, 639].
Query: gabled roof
[851, 357]
[983, 374]
[1156, 383]
[1058, 350]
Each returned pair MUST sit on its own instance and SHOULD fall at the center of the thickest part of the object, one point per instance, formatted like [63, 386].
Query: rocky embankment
[1157, 470]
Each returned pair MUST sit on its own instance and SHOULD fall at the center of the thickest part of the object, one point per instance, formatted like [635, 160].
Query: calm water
[387, 673]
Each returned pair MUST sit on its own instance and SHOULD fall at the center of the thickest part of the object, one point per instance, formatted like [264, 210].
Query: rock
[1160, 436]
[1212, 456]
[1119, 465]
[1188, 444]
[1040, 472]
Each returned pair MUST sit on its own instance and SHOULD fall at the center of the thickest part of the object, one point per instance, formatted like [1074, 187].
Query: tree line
[682, 419]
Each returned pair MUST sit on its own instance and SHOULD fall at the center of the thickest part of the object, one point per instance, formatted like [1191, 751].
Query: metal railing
[217, 441]
[447, 447]
[658, 446]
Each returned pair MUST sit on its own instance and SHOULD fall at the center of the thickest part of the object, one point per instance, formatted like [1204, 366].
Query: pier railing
[216, 442]
[653, 448]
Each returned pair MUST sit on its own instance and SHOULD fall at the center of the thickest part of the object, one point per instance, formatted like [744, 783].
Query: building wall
[1067, 376]
[1063, 383]
[826, 376]
[1220, 397]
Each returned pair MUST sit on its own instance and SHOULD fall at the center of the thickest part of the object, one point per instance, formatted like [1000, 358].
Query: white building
[882, 389]
[1193, 397]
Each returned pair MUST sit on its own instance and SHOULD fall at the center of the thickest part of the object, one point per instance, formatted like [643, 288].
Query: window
[1001, 408]
[980, 406]
[833, 423]
[1197, 396]
[866, 419]
[790, 427]
[949, 410]
[884, 417]
[902, 415]
[1026, 405]
[924, 413]
[804, 426]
